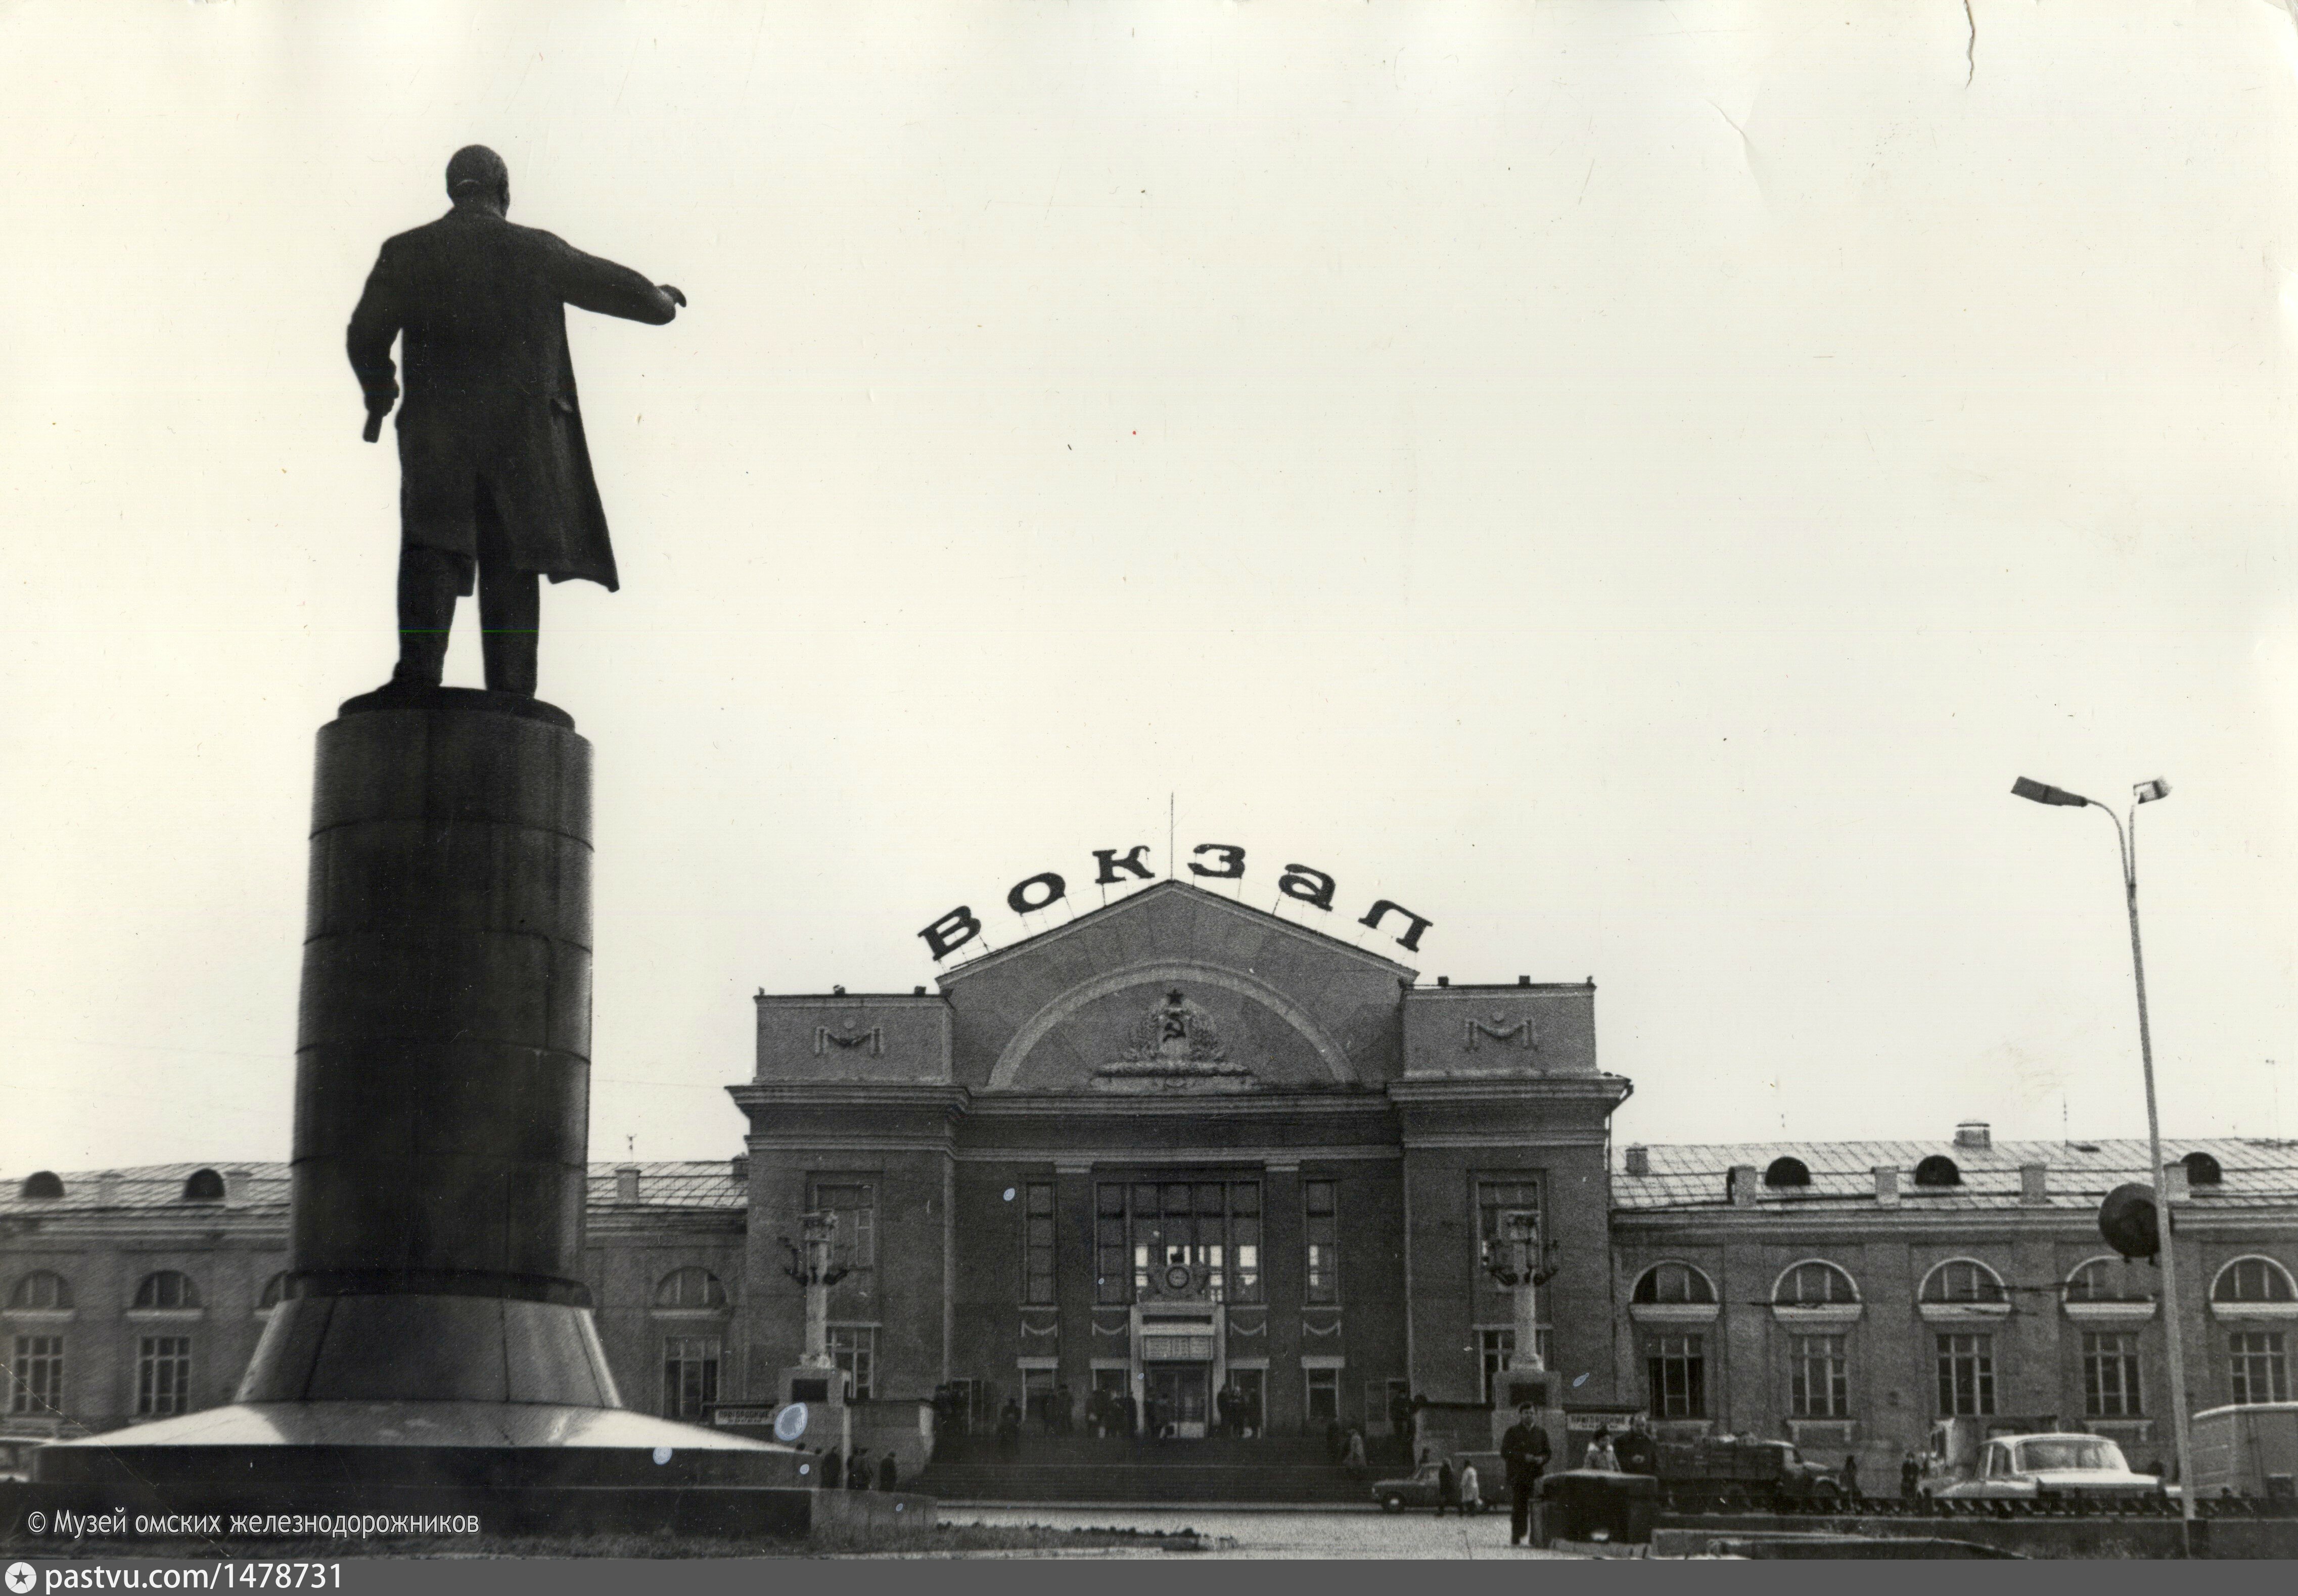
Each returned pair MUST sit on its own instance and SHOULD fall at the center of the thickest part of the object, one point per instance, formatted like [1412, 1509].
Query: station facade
[1179, 1146]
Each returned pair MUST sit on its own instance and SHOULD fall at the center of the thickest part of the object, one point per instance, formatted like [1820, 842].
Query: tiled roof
[679, 1183]
[2258, 1172]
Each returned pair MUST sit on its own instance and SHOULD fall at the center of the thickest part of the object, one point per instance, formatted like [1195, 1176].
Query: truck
[2249, 1451]
[1731, 1471]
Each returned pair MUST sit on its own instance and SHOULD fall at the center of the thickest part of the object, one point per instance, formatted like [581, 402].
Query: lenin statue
[494, 476]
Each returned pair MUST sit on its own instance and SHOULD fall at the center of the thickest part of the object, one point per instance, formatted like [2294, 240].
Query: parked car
[2014, 1467]
[1419, 1489]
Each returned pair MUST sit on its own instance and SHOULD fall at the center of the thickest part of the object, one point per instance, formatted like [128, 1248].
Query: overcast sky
[1633, 483]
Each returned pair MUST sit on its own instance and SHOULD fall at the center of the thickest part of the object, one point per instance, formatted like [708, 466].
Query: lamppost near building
[2127, 848]
[1521, 1267]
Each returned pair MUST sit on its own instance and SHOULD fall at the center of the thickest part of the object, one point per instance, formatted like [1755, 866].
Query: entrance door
[1178, 1392]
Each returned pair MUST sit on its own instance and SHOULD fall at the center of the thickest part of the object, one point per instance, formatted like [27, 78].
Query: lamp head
[2037, 792]
[2147, 792]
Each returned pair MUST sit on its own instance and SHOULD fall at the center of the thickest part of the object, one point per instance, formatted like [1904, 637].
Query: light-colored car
[1419, 1490]
[2023, 1467]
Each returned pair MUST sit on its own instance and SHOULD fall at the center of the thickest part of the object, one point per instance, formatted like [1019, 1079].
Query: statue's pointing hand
[671, 294]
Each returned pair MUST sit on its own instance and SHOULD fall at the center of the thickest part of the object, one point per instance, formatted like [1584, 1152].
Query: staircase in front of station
[1086, 1468]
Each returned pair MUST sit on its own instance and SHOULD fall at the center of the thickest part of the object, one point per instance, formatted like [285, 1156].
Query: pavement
[1246, 1532]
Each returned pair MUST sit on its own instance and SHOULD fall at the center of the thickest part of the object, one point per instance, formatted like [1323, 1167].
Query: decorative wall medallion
[1175, 1047]
[1498, 1029]
[850, 1039]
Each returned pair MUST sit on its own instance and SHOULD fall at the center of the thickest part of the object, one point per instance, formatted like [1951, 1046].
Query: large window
[163, 1376]
[1209, 1228]
[1673, 1283]
[1819, 1377]
[1963, 1280]
[854, 1348]
[36, 1375]
[2108, 1280]
[1496, 1202]
[689, 1288]
[1966, 1374]
[1320, 1206]
[167, 1289]
[1677, 1369]
[1037, 1241]
[690, 1374]
[40, 1290]
[2252, 1280]
[2257, 1372]
[2110, 1376]
[1814, 1285]
[855, 1204]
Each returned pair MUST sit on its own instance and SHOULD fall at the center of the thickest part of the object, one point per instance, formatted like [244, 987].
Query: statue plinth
[437, 1327]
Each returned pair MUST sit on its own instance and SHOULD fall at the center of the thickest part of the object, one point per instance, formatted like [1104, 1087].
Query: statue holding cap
[495, 485]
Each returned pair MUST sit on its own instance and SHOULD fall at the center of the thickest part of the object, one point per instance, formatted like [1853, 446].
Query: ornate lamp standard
[1521, 1265]
[812, 1268]
[2126, 839]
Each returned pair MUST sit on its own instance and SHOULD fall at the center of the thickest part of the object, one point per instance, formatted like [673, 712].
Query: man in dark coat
[494, 474]
[1524, 1449]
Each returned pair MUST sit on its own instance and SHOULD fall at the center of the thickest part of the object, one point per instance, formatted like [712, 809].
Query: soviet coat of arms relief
[1175, 1047]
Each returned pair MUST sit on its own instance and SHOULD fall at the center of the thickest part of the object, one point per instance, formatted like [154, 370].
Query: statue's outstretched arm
[591, 284]
[374, 323]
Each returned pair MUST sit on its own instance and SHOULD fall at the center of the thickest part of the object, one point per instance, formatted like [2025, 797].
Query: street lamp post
[2126, 839]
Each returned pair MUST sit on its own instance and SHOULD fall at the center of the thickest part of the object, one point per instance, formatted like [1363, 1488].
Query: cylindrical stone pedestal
[443, 1063]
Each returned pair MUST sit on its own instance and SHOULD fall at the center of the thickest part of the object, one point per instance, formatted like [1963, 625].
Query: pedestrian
[1448, 1488]
[1356, 1452]
[1009, 1427]
[1638, 1452]
[1472, 1489]
[1132, 1417]
[1911, 1476]
[857, 1472]
[889, 1473]
[1851, 1476]
[1064, 1404]
[1600, 1454]
[833, 1470]
[1525, 1450]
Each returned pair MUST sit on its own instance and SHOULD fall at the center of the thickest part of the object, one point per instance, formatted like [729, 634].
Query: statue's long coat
[489, 402]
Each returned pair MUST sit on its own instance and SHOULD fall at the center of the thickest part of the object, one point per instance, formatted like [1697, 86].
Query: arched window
[2203, 1169]
[2108, 1280]
[275, 1291]
[205, 1186]
[42, 1183]
[1938, 1170]
[167, 1289]
[1673, 1283]
[689, 1288]
[1814, 1283]
[1787, 1171]
[1963, 1280]
[38, 1290]
[2252, 1280]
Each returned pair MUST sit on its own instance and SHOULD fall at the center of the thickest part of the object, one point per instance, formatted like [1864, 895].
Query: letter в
[951, 933]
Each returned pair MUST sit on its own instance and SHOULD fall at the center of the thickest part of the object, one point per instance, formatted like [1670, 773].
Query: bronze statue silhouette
[495, 478]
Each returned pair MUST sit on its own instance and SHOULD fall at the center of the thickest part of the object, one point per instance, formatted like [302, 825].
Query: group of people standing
[855, 1473]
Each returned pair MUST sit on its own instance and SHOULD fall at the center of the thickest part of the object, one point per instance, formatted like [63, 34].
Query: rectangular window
[689, 1375]
[37, 1376]
[1966, 1374]
[2110, 1376]
[1819, 1379]
[854, 1348]
[2256, 1367]
[1678, 1371]
[1497, 1201]
[1209, 1228]
[1038, 1397]
[1322, 1282]
[1038, 1242]
[163, 1376]
[855, 1204]
[1324, 1394]
[1497, 1348]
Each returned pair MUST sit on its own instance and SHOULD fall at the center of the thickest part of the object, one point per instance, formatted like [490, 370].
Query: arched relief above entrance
[1172, 1025]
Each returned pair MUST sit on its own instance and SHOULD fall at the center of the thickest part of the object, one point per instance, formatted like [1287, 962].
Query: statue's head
[476, 172]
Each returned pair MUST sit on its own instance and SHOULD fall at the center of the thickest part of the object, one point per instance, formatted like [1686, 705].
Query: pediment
[1260, 1004]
